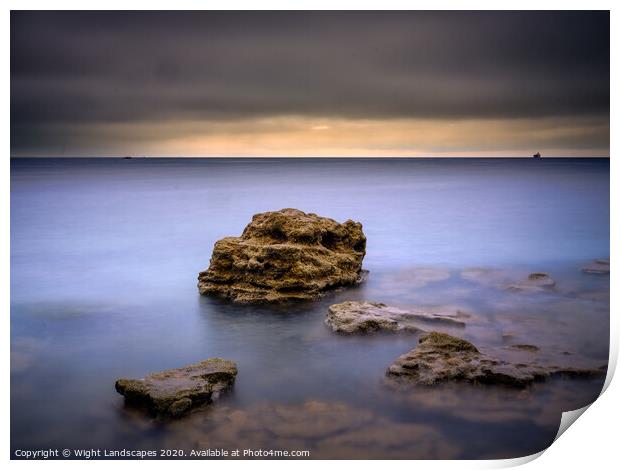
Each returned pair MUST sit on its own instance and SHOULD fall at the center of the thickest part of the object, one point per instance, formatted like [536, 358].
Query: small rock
[285, 255]
[368, 317]
[534, 282]
[442, 358]
[174, 392]
[598, 266]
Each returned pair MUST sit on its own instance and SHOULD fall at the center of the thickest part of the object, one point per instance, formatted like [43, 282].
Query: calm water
[105, 255]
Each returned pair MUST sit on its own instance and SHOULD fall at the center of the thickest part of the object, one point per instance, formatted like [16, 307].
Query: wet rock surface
[440, 357]
[598, 266]
[368, 317]
[285, 255]
[174, 392]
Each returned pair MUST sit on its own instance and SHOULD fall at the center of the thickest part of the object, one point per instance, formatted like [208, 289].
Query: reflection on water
[104, 259]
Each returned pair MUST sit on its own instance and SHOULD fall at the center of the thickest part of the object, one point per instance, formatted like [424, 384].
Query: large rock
[174, 392]
[285, 255]
[443, 358]
[367, 317]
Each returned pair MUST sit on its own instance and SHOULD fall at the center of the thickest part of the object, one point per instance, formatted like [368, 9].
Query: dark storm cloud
[76, 68]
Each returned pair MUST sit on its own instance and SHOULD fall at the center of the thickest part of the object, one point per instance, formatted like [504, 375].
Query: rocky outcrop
[174, 392]
[535, 282]
[285, 255]
[443, 358]
[598, 266]
[367, 317]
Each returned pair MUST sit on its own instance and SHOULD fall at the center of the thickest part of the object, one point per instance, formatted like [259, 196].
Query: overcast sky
[309, 83]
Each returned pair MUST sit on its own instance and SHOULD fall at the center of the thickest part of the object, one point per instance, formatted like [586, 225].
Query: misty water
[104, 259]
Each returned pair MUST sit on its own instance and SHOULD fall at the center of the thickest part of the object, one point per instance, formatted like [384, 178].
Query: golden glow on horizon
[302, 136]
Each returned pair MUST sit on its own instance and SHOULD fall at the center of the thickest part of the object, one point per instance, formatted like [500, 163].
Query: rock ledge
[368, 317]
[442, 358]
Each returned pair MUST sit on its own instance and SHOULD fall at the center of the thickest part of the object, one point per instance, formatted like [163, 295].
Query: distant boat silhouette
[128, 158]
[536, 155]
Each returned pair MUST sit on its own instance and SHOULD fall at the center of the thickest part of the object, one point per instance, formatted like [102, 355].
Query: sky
[343, 83]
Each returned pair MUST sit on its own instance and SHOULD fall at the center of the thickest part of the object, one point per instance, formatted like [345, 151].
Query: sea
[105, 254]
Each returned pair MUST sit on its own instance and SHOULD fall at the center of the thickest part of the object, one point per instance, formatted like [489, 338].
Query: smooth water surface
[105, 255]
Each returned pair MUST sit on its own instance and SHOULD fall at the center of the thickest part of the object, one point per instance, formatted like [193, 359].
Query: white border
[591, 443]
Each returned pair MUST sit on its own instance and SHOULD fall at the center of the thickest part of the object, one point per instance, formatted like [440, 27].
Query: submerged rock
[327, 429]
[598, 266]
[368, 317]
[174, 392]
[598, 296]
[534, 282]
[440, 357]
[509, 280]
[524, 347]
[419, 277]
[285, 255]
[488, 277]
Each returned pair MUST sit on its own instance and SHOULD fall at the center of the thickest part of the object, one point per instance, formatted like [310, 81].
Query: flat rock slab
[285, 255]
[367, 317]
[440, 357]
[173, 392]
[598, 266]
[535, 282]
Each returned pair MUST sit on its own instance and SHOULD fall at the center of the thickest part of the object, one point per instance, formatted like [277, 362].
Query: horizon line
[136, 157]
